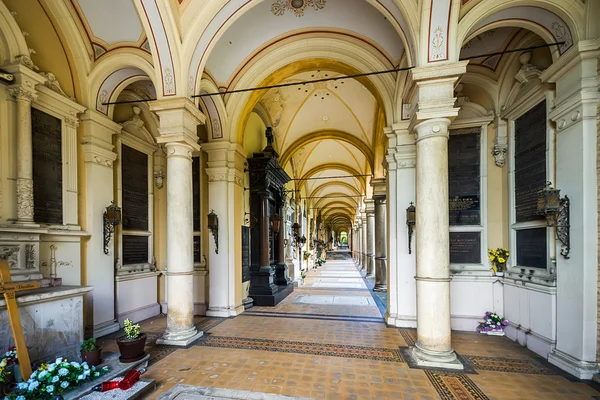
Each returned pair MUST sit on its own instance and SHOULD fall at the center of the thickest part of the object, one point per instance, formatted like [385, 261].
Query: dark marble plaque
[197, 249]
[196, 192]
[245, 254]
[530, 161]
[46, 133]
[135, 189]
[464, 153]
[465, 247]
[135, 249]
[532, 248]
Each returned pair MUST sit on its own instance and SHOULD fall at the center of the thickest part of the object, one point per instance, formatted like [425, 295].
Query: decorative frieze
[24, 199]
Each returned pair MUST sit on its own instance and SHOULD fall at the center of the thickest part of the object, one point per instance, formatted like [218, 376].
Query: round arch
[12, 41]
[328, 134]
[331, 166]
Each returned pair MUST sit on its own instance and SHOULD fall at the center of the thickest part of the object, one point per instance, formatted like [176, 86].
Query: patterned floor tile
[501, 364]
[451, 386]
[319, 349]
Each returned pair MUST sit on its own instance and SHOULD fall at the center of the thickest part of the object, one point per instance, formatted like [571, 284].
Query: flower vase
[499, 332]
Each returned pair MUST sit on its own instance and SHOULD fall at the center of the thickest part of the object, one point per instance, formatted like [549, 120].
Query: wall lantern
[213, 225]
[556, 211]
[276, 223]
[112, 218]
[411, 220]
[296, 234]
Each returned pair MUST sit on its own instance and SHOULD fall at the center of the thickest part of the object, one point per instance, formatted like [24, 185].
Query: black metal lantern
[213, 225]
[112, 218]
[556, 211]
[411, 220]
[275, 223]
[296, 229]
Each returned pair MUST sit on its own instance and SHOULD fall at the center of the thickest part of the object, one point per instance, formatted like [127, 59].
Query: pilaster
[370, 220]
[96, 188]
[379, 196]
[225, 190]
[575, 111]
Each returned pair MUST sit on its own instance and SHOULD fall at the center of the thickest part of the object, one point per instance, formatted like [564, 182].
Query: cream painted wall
[254, 135]
[497, 199]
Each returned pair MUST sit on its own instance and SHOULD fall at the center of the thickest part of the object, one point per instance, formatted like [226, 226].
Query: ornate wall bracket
[499, 153]
[562, 223]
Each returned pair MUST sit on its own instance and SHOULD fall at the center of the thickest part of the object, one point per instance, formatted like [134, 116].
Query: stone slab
[274, 299]
[140, 390]
[188, 392]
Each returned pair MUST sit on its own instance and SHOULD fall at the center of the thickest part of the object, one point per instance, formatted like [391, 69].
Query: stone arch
[215, 110]
[111, 73]
[330, 134]
[554, 20]
[12, 41]
[331, 166]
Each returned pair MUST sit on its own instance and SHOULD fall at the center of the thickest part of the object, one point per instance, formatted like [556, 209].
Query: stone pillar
[370, 211]
[96, 136]
[380, 235]
[364, 240]
[435, 85]
[24, 93]
[179, 119]
[575, 110]
[401, 266]
[225, 196]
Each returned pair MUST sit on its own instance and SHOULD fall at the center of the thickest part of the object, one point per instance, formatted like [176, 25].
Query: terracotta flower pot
[131, 349]
[93, 357]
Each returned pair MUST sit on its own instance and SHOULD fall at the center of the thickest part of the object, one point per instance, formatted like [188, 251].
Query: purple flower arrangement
[492, 322]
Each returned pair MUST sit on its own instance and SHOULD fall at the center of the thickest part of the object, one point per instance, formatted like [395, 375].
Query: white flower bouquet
[49, 380]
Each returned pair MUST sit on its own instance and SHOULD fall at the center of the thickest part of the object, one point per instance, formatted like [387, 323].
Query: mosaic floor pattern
[310, 347]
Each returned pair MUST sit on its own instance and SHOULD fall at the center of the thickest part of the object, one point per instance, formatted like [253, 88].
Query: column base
[181, 338]
[380, 287]
[225, 312]
[400, 321]
[578, 368]
[435, 359]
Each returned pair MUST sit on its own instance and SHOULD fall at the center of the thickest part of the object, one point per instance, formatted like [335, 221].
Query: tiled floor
[315, 347]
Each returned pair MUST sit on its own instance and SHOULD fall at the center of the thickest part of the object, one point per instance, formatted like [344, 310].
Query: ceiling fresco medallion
[297, 6]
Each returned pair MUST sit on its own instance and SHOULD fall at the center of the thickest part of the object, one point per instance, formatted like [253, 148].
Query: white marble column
[400, 162]
[370, 254]
[379, 188]
[24, 96]
[179, 119]
[435, 109]
[575, 111]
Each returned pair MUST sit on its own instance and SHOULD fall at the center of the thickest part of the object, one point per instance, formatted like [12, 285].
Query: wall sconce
[411, 220]
[275, 223]
[112, 218]
[556, 211]
[213, 225]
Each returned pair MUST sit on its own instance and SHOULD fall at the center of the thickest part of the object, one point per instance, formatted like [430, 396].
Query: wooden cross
[9, 288]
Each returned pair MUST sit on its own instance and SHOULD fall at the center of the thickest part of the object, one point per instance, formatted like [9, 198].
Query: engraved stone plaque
[465, 248]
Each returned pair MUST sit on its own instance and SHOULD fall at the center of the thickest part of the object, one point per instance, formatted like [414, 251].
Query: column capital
[370, 207]
[225, 162]
[431, 128]
[179, 149]
[23, 93]
[401, 152]
[379, 188]
[179, 119]
[26, 80]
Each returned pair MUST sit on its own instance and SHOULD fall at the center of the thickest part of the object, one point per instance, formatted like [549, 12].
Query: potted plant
[498, 259]
[131, 346]
[90, 352]
[492, 324]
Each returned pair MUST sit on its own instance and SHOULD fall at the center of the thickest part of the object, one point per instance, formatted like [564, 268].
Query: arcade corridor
[328, 341]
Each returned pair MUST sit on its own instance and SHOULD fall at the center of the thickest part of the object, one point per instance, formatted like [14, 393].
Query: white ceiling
[112, 21]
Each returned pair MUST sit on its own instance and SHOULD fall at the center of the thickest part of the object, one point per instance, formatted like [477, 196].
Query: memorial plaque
[530, 162]
[464, 176]
[532, 248]
[46, 132]
[465, 248]
[134, 165]
[197, 245]
[135, 249]
[196, 192]
[245, 254]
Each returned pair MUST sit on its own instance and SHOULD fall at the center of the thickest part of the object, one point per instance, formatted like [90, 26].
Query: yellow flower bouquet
[498, 259]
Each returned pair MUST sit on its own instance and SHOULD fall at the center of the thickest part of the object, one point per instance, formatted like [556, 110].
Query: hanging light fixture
[111, 218]
[213, 226]
[556, 211]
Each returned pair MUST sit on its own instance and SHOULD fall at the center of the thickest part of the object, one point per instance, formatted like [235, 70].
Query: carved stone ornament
[52, 83]
[29, 256]
[25, 60]
[296, 6]
[499, 153]
[25, 199]
[22, 94]
[10, 253]
[159, 179]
